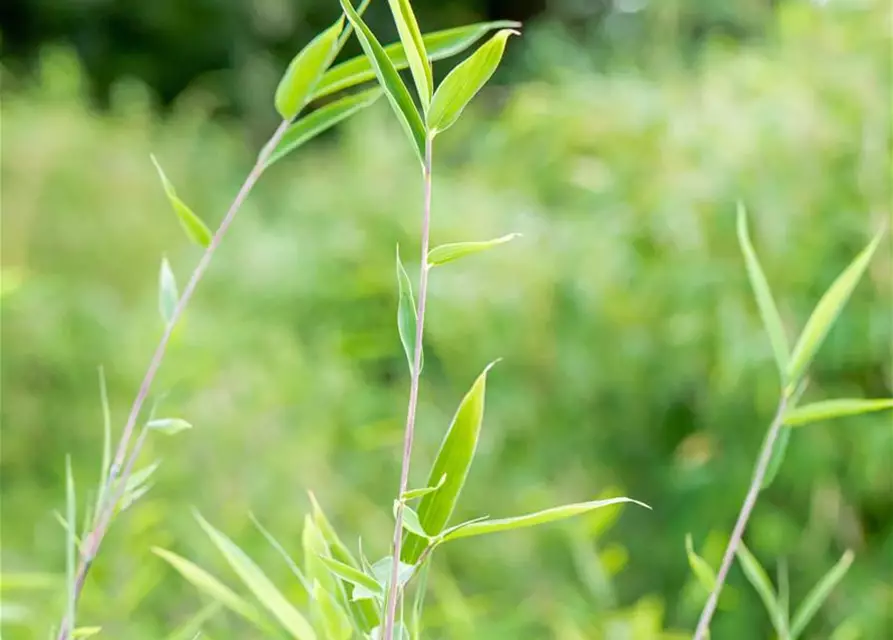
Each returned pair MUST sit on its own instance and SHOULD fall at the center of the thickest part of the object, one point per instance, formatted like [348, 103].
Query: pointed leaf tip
[305, 71]
[195, 229]
[414, 49]
[448, 252]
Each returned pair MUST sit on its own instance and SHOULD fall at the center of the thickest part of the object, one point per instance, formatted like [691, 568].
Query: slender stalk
[115, 484]
[391, 607]
[743, 516]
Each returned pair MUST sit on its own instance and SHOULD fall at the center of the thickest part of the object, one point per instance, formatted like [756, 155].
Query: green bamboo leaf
[464, 82]
[315, 545]
[412, 494]
[305, 71]
[819, 594]
[191, 223]
[779, 450]
[71, 546]
[168, 426]
[449, 252]
[407, 315]
[106, 439]
[758, 578]
[382, 568]
[259, 584]
[141, 478]
[830, 409]
[414, 48]
[167, 292]
[321, 120]
[192, 628]
[85, 632]
[365, 613]
[390, 81]
[827, 311]
[352, 575]
[212, 587]
[533, 519]
[332, 617]
[290, 563]
[410, 520]
[453, 459]
[703, 571]
[763, 294]
[439, 45]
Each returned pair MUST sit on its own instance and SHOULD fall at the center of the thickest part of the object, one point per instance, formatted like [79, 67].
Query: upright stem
[415, 374]
[750, 501]
[115, 484]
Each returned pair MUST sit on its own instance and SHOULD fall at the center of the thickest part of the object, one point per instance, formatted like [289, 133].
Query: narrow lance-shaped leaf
[758, 578]
[390, 81]
[819, 594]
[827, 311]
[453, 251]
[106, 441]
[407, 316]
[290, 563]
[168, 426]
[779, 450]
[412, 494]
[410, 520]
[352, 575]
[195, 229]
[830, 409]
[331, 615]
[167, 292]
[71, 547]
[703, 571]
[259, 584]
[211, 586]
[763, 294]
[439, 45]
[321, 120]
[534, 519]
[464, 82]
[314, 545]
[305, 71]
[453, 459]
[85, 632]
[414, 48]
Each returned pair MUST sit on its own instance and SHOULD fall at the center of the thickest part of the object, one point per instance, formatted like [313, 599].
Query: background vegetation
[635, 360]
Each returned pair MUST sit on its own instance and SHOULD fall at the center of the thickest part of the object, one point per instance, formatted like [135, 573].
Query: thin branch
[117, 480]
[391, 610]
[738, 532]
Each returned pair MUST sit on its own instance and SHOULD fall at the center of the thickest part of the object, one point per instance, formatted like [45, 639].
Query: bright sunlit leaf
[305, 71]
[169, 426]
[830, 409]
[449, 252]
[414, 49]
[168, 296]
[195, 229]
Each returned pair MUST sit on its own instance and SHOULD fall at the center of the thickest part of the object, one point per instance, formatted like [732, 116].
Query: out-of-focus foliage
[633, 351]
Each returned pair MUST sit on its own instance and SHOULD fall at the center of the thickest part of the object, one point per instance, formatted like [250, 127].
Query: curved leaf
[448, 252]
[454, 459]
[760, 581]
[464, 82]
[321, 120]
[830, 409]
[816, 598]
[407, 316]
[259, 584]
[533, 519]
[195, 229]
[352, 575]
[439, 45]
[390, 81]
[168, 297]
[305, 71]
[414, 47]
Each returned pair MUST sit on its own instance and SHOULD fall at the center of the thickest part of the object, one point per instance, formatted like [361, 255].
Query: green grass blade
[414, 48]
[106, 440]
[439, 45]
[819, 594]
[827, 311]
[331, 615]
[321, 120]
[195, 229]
[305, 71]
[259, 584]
[758, 578]
[71, 546]
[352, 575]
[763, 294]
[779, 450]
[702, 570]
[390, 81]
[830, 409]
[448, 252]
[212, 587]
[290, 563]
[464, 81]
[454, 460]
[533, 519]
[407, 316]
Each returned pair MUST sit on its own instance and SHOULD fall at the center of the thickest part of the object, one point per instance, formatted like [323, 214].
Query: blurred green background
[617, 139]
